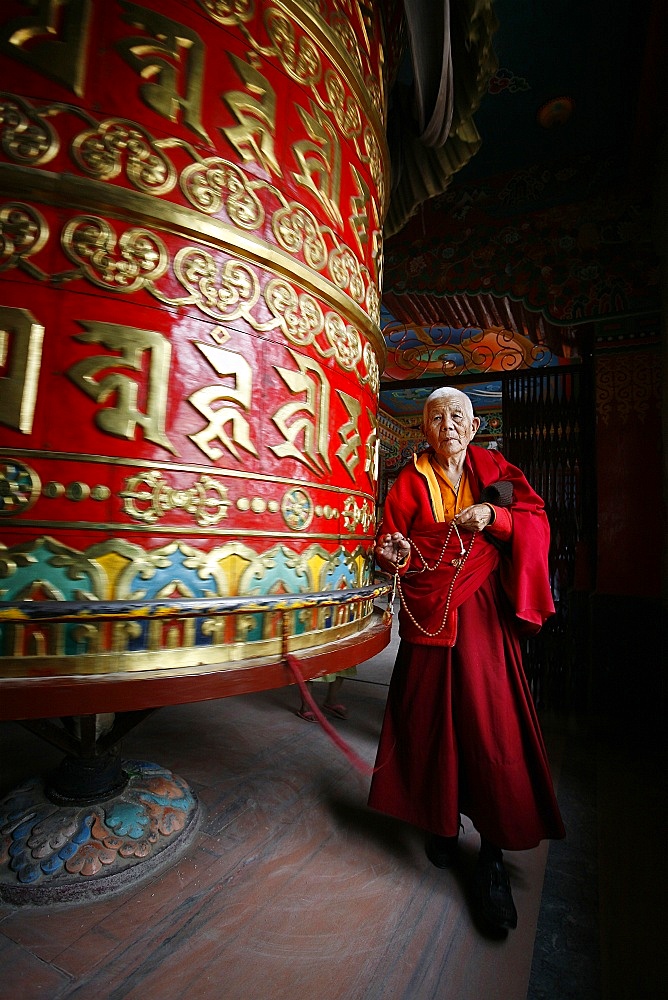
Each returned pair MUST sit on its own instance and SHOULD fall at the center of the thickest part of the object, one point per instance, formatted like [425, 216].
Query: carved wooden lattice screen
[548, 432]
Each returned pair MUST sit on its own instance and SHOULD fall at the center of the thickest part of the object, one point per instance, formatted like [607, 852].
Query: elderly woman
[468, 538]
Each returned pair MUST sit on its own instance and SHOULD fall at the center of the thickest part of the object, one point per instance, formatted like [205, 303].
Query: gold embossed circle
[19, 488]
[297, 509]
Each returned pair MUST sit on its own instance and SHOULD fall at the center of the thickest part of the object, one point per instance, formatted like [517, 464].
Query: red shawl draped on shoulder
[523, 560]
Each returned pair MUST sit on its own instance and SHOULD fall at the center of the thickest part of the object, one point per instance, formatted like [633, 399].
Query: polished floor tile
[293, 887]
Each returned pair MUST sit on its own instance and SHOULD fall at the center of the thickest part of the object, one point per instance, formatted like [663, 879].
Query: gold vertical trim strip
[31, 378]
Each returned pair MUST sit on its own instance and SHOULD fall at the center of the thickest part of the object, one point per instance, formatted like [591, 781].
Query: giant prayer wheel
[191, 204]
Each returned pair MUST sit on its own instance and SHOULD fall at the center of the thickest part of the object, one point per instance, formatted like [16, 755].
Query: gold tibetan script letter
[371, 449]
[63, 27]
[253, 137]
[364, 208]
[134, 346]
[173, 55]
[225, 363]
[349, 434]
[21, 352]
[314, 158]
[314, 425]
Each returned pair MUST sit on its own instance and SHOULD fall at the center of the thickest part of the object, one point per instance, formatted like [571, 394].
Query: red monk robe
[460, 733]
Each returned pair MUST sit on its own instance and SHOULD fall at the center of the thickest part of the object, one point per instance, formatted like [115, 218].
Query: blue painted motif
[127, 819]
[64, 574]
[171, 572]
[154, 800]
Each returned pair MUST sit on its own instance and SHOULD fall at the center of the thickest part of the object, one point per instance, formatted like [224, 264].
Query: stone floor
[293, 887]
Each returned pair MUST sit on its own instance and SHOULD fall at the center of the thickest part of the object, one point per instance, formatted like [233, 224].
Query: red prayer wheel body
[191, 205]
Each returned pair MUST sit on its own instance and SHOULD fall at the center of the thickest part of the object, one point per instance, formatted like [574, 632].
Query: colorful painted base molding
[62, 853]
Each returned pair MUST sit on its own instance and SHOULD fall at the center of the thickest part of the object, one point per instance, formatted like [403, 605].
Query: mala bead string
[459, 565]
[387, 614]
[431, 569]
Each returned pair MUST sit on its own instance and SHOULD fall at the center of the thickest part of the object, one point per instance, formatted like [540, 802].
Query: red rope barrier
[357, 762]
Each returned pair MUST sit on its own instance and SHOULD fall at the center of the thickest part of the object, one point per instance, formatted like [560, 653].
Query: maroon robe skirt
[461, 735]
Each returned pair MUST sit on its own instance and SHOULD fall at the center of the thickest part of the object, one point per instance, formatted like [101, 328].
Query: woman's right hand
[393, 548]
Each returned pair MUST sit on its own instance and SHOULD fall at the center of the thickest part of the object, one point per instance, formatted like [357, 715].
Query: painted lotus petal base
[51, 853]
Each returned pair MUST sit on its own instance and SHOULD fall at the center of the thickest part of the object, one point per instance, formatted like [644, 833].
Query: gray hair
[449, 390]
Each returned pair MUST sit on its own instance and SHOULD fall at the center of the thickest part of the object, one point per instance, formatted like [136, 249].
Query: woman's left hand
[475, 518]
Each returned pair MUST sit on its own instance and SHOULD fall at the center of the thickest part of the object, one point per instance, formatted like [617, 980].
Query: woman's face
[449, 426]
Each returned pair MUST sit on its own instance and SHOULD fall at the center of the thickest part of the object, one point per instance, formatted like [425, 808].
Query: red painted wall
[631, 511]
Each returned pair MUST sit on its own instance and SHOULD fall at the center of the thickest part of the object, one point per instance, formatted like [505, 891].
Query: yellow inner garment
[445, 500]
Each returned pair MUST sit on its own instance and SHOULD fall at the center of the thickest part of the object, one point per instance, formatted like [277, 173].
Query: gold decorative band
[68, 456]
[308, 18]
[64, 190]
[188, 531]
[188, 659]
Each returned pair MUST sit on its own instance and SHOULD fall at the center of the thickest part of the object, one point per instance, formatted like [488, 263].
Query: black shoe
[493, 894]
[441, 851]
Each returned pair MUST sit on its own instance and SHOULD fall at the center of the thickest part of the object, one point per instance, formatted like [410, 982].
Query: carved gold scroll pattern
[139, 259]
[226, 292]
[287, 43]
[297, 51]
[23, 233]
[168, 50]
[232, 291]
[117, 147]
[27, 136]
